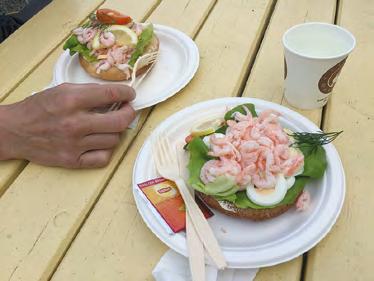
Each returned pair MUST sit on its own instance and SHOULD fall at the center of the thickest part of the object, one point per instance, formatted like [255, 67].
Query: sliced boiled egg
[268, 196]
[206, 139]
[290, 182]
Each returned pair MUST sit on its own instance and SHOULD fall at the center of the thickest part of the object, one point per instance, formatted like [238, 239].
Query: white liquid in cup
[314, 54]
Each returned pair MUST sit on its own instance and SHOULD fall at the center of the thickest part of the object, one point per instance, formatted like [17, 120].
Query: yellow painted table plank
[106, 246]
[42, 210]
[266, 82]
[30, 44]
[347, 253]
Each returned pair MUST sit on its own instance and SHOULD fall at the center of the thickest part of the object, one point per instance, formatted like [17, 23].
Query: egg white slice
[290, 182]
[268, 197]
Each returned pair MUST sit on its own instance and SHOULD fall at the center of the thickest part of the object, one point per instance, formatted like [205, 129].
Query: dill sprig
[93, 22]
[313, 139]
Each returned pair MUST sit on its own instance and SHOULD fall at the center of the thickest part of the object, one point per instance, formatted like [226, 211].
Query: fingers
[100, 141]
[95, 158]
[111, 122]
[88, 96]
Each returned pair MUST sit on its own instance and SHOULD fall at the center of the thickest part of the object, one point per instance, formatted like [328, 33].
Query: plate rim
[337, 177]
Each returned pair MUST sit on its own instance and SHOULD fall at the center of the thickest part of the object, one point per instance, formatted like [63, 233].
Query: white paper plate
[248, 244]
[176, 65]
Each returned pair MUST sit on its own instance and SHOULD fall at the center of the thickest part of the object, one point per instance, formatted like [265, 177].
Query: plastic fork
[142, 61]
[165, 157]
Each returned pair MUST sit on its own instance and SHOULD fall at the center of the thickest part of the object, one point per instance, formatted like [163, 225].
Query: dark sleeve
[7, 26]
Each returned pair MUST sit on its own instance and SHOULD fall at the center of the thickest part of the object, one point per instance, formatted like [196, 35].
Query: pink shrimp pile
[113, 55]
[253, 150]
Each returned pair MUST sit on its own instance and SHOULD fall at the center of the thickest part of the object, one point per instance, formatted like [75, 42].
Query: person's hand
[60, 127]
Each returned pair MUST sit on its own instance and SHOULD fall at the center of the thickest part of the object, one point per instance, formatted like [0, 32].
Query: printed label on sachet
[166, 199]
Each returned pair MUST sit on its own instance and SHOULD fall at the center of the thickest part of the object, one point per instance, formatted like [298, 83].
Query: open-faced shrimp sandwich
[110, 43]
[247, 165]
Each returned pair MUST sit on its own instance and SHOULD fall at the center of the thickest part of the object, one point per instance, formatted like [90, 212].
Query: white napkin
[175, 267]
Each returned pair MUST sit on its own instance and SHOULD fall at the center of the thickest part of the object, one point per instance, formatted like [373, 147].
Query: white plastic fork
[165, 157]
[142, 61]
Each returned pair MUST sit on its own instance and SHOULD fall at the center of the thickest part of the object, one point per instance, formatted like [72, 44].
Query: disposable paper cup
[314, 56]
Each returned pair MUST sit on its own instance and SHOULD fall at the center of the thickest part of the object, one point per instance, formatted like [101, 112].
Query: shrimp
[107, 39]
[215, 168]
[102, 66]
[254, 150]
[243, 179]
[249, 151]
[256, 132]
[248, 147]
[282, 151]
[237, 130]
[84, 35]
[265, 141]
[303, 201]
[264, 180]
[223, 147]
[269, 116]
[238, 116]
[291, 165]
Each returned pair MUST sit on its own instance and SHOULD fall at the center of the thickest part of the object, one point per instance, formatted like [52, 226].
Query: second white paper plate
[176, 65]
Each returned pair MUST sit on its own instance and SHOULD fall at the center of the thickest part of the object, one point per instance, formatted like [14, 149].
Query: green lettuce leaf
[315, 162]
[198, 156]
[239, 108]
[144, 40]
[75, 46]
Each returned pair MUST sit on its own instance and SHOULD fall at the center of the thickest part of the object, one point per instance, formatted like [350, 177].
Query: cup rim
[345, 53]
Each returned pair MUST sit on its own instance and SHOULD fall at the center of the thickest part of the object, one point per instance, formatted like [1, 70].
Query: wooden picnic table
[59, 224]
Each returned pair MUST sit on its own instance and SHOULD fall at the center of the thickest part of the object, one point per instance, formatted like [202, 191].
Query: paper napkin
[175, 267]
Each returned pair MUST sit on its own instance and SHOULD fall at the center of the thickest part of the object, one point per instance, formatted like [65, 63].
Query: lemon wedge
[96, 41]
[124, 35]
[206, 127]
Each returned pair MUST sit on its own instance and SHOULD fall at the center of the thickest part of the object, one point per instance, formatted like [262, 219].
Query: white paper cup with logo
[314, 56]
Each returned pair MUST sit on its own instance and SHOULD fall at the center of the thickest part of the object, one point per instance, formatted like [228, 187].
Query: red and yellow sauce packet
[166, 199]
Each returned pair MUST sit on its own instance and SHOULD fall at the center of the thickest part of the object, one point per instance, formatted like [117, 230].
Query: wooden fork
[165, 157]
[142, 61]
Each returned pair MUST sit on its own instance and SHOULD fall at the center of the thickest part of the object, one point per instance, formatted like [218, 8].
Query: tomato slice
[108, 16]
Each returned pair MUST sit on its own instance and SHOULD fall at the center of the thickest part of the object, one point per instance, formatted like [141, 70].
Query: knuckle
[66, 100]
[112, 94]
